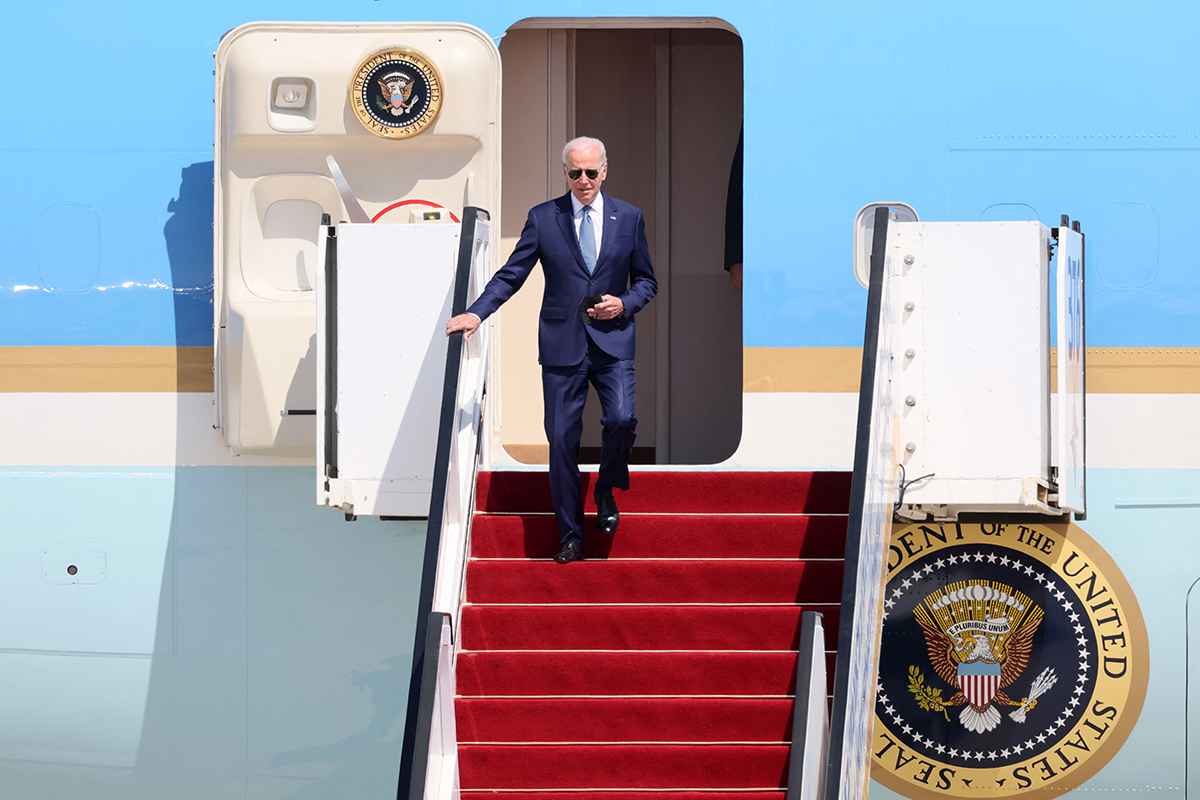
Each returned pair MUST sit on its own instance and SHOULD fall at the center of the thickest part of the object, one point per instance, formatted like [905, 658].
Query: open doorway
[665, 96]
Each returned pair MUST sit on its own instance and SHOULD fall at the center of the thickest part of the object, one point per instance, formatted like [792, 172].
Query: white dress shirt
[597, 216]
[597, 221]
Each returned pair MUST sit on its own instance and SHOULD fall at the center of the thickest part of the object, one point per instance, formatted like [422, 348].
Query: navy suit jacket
[623, 270]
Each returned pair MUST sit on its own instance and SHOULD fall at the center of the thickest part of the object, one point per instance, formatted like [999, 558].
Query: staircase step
[629, 673]
[648, 627]
[698, 492]
[663, 667]
[654, 536]
[616, 767]
[624, 719]
[654, 582]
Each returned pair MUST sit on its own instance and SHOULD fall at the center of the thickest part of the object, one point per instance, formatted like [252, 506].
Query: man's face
[584, 158]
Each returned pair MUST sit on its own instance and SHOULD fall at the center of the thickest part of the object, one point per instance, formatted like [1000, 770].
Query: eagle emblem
[994, 677]
[978, 635]
[397, 88]
[396, 93]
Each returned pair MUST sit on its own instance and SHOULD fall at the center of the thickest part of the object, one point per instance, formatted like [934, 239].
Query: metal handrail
[429, 742]
[871, 493]
[810, 717]
[435, 766]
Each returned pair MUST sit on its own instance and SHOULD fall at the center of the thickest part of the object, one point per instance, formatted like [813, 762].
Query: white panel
[1143, 431]
[118, 429]
[1069, 444]
[795, 430]
[981, 411]
[986, 361]
[815, 431]
[393, 298]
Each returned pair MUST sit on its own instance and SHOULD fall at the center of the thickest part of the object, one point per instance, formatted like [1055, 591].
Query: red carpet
[637, 627]
[664, 662]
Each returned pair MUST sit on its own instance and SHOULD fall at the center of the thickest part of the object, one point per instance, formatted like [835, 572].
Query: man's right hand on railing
[467, 323]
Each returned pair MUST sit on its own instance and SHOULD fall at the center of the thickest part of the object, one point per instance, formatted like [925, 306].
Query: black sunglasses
[574, 174]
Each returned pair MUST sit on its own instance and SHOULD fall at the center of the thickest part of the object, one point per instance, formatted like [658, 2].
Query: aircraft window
[1009, 212]
[69, 247]
[290, 244]
[1123, 245]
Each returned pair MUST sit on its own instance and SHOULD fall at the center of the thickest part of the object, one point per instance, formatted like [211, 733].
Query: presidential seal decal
[1013, 658]
[396, 93]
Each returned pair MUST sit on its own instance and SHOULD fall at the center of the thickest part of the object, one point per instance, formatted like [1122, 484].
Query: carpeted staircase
[667, 660]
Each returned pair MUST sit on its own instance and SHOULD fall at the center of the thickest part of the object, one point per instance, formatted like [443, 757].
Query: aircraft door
[410, 112]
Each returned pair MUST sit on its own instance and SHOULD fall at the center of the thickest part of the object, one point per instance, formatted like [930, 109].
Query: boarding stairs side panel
[429, 759]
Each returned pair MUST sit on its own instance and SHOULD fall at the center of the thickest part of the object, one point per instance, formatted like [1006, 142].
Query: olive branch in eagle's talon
[928, 698]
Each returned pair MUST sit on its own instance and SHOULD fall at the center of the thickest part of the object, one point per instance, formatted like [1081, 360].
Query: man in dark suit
[590, 246]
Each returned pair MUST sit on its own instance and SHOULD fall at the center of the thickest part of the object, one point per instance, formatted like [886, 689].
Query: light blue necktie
[587, 241]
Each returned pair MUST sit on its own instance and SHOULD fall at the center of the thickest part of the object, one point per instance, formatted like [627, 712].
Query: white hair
[580, 142]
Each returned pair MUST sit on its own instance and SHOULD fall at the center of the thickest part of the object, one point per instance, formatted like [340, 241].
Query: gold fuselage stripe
[1110, 370]
[106, 369]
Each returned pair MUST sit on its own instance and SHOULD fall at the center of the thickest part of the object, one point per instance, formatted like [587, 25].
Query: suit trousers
[564, 390]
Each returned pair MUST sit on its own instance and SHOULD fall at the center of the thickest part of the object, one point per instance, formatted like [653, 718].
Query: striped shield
[979, 681]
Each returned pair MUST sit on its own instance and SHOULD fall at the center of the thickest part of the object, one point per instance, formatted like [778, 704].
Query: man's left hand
[609, 307]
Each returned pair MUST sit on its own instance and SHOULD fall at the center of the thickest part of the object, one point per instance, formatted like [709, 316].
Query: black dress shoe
[572, 550]
[607, 515]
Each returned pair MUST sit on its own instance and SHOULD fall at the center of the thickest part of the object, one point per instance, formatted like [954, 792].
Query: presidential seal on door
[396, 93]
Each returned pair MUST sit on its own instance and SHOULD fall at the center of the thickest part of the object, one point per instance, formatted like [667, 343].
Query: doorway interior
[665, 96]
